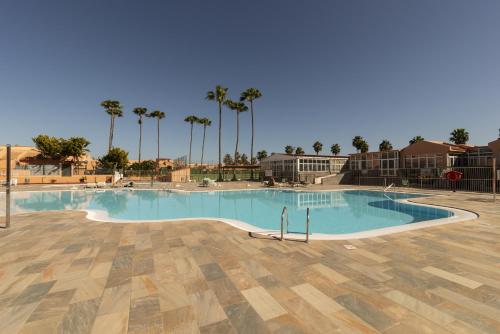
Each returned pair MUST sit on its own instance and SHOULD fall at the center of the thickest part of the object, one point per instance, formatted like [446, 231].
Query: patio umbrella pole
[7, 190]
[494, 163]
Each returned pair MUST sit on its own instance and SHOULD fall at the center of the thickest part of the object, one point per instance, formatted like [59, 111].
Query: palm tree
[219, 95]
[191, 120]
[385, 145]
[357, 142]
[158, 115]
[141, 112]
[205, 122]
[114, 109]
[416, 139]
[244, 159]
[261, 155]
[364, 147]
[239, 107]
[289, 149]
[228, 160]
[459, 136]
[317, 146]
[250, 95]
[299, 151]
[335, 149]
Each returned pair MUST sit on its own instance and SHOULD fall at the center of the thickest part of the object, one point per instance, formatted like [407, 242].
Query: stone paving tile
[53, 305]
[61, 273]
[33, 293]
[80, 317]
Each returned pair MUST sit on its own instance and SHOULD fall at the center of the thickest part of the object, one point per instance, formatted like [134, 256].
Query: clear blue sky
[328, 70]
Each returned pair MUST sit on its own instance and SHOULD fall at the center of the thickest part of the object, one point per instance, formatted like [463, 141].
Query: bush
[116, 158]
[143, 165]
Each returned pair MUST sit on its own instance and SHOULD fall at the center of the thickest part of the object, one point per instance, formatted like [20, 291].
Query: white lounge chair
[207, 182]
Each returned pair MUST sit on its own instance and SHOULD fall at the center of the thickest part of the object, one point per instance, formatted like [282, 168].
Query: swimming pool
[347, 213]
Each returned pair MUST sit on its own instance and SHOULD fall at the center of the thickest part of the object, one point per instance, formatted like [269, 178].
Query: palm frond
[210, 96]
[139, 111]
[191, 119]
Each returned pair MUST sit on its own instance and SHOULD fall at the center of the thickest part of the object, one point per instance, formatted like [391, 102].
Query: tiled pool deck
[61, 273]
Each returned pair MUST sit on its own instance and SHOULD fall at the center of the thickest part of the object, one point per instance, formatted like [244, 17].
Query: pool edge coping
[459, 215]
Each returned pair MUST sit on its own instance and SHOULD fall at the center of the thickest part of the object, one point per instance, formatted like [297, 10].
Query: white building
[293, 167]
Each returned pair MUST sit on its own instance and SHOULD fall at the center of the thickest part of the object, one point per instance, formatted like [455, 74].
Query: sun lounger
[206, 182]
[90, 185]
[272, 183]
[101, 184]
[13, 182]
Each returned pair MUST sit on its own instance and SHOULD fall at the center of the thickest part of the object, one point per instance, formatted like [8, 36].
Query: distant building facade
[384, 163]
[26, 161]
[425, 158]
[293, 167]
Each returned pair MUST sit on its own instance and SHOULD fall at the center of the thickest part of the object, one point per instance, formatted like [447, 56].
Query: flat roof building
[293, 167]
[384, 163]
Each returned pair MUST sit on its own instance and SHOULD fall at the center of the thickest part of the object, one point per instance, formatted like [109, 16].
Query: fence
[474, 179]
[228, 173]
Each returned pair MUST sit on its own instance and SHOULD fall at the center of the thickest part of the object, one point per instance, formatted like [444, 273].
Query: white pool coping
[459, 215]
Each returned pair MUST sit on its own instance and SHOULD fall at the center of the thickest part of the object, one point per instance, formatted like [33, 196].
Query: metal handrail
[283, 213]
[308, 222]
[389, 187]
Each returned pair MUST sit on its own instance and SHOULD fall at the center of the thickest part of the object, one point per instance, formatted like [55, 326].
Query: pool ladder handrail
[308, 222]
[389, 187]
[284, 214]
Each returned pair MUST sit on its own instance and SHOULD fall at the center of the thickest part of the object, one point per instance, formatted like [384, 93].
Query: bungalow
[302, 167]
[437, 154]
[384, 163]
[26, 161]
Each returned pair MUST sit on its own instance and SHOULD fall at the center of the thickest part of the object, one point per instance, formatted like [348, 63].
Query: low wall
[16, 172]
[180, 175]
[48, 179]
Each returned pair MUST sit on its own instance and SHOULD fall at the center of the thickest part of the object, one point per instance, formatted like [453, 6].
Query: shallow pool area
[331, 212]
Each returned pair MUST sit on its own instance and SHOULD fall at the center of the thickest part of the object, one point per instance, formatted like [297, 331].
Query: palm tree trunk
[140, 138]
[237, 140]
[203, 145]
[158, 142]
[220, 146]
[190, 143]
[251, 147]
[110, 144]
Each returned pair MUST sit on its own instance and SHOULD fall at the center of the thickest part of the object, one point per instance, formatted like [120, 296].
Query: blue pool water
[335, 212]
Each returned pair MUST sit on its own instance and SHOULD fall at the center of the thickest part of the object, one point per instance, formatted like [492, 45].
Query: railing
[308, 222]
[7, 190]
[388, 187]
[474, 179]
[284, 226]
[198, 174]
[284, 214]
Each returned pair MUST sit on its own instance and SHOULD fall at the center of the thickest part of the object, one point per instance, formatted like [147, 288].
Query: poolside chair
[211, 183]
[101, 184]
[270, 183]
[13, 182]
[90, 185]
[205, 182]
